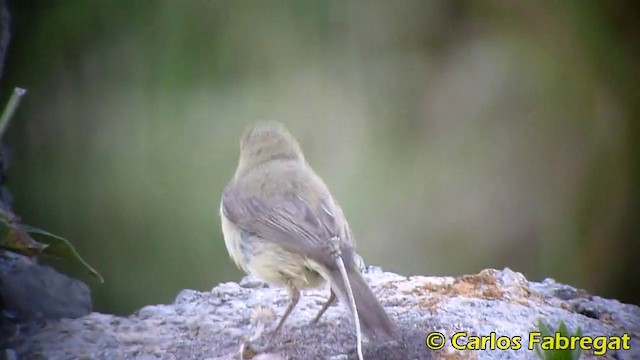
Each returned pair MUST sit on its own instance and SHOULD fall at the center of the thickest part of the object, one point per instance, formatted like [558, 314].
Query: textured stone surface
[211, 325]
[29, 291]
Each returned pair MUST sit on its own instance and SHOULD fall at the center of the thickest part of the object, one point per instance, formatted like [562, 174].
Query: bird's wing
[290, 222]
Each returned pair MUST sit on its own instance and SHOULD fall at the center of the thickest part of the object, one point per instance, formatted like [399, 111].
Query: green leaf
[575, 354]
[562, 328]
[559, 354]
[10, 108]
[17, 238]
[59, 247]
[539, 352]
[18, 241]
[546, 330]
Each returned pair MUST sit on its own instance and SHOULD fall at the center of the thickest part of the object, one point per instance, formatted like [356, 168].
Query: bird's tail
[374, 320]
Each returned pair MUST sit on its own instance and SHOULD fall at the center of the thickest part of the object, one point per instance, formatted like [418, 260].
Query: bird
[281, 224]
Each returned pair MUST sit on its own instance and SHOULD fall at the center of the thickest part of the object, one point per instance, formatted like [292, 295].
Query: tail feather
[373, 318]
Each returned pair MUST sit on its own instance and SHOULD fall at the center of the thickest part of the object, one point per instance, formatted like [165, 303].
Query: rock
[29, 291]
[213, 325]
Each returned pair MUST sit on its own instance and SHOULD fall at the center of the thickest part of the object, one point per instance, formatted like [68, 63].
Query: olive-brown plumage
[281, 224]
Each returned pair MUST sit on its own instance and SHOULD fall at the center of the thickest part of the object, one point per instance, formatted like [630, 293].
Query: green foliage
[18, 237]
[11, 107]
[557, 354]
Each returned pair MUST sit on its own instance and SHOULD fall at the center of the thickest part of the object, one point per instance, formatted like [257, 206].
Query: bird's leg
[294, 295]
[330, 300]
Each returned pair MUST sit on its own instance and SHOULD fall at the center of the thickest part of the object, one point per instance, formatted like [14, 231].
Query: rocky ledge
[212, 325]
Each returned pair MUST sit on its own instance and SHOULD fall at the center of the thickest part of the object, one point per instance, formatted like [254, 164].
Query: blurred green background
[457, 135]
